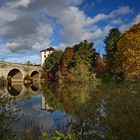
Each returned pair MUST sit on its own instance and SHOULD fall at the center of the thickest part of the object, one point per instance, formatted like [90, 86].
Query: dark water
[109, 110]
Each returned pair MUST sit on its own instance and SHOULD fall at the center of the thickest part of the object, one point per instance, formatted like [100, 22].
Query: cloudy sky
[28, 26]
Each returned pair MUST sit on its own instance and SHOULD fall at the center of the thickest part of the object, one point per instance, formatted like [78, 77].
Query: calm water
[109, 110]
[35, 108]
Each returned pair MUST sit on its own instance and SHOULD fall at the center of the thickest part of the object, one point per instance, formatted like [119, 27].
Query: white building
[45, 53]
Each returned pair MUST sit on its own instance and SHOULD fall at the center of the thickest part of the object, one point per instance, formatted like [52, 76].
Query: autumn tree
[111, 45]
[82, 62]
[66, 60]
[127, 56]
[60, 69]
[75, 64]
[52, 59]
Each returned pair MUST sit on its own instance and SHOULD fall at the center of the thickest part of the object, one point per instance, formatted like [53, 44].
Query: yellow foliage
[127, 56]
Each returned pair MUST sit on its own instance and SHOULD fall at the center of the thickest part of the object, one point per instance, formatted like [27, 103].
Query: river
[109, 110]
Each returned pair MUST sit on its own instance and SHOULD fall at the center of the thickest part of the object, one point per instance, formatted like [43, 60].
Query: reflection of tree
[80, 100]
[123, 109]
[52, 100]
[8, 117]
[73, 97]
[110, 111]
[69, 97]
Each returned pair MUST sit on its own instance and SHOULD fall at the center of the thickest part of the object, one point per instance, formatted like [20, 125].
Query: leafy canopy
[52, 59]
[127, 56]
[111, 46]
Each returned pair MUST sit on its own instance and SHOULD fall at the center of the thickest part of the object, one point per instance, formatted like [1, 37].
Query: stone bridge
[17, 72]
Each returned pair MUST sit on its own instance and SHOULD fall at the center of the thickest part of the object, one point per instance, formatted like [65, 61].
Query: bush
[81, 74]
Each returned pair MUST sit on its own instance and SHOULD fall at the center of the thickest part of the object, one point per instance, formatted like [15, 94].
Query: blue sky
[28, 26]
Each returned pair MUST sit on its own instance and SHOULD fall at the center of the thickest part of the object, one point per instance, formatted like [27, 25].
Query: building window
[44, 56]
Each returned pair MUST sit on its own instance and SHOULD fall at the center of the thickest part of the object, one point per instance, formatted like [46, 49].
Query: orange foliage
[66, 60]
[127, 56]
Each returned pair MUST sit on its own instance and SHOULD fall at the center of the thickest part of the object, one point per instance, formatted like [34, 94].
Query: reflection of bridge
[19, 91]
[17, 72]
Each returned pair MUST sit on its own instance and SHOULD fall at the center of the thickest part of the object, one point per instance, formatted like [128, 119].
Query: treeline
[75, 64]
[81, 63]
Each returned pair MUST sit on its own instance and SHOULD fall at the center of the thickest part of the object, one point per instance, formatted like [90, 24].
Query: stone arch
[15, 75]
[35, 75]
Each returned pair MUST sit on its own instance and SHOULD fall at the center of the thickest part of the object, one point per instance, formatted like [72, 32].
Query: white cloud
[24, 28]
[42, 37]
[121, 11]
[118, 12]
[98, 18]
[73, 21]
[107, 29]
[116, 21]
[24, 59]
[19, 3]
[77, 26]
[3, 49]
[63, 46]
[6, 15]
[125, 27]
[137, 19]
[96, 34]
[101, 33]
[23, 3]
[41, 44]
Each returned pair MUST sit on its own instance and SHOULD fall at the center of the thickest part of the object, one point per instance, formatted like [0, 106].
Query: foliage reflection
[106, 111]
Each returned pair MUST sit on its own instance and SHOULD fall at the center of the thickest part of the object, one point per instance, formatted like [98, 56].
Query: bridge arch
[35, 75]
[15, 75]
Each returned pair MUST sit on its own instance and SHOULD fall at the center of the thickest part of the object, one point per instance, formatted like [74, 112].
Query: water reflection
[35, 108]
[107, 111]
[45, 105]
[35, 87]
[104, 111]
[14, 89]
[70, 98]
[18, 90]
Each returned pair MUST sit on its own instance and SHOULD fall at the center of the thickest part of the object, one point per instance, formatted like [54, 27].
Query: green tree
[52, 59]
[74, 61]
[111, 45]
[84, 52]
